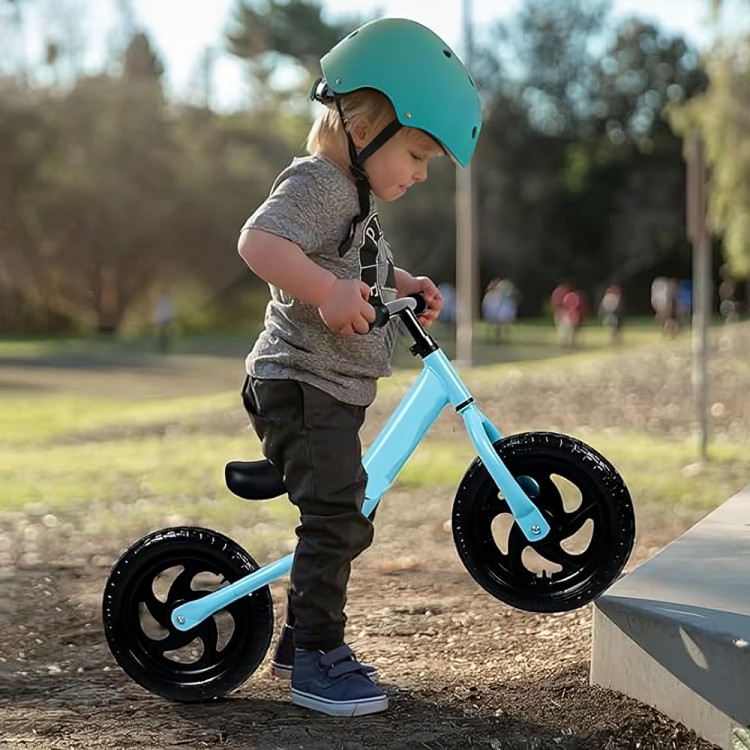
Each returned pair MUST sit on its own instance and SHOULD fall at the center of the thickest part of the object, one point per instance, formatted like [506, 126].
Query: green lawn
[528, 339]
[130, 463]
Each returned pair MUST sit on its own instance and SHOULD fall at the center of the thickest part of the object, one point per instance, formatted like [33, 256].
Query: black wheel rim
[580, 537]
[147, 634]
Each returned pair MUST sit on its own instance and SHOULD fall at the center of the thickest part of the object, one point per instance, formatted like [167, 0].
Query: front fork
[483, 434]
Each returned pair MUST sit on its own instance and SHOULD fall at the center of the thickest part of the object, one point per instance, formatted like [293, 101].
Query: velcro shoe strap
[336, 654]
[340, 661]
[344, 667]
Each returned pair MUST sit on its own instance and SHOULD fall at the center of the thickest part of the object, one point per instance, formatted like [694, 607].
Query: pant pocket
[248, 398]
[250, 402]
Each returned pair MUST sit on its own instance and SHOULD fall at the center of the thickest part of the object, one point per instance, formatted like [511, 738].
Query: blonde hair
[327, 134]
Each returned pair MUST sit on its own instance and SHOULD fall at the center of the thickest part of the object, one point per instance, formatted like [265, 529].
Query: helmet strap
[363, 187]
[384, 135]
[360, 176]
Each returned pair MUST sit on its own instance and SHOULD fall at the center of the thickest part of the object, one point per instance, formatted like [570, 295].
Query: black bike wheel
[585, 502]
[160, 572]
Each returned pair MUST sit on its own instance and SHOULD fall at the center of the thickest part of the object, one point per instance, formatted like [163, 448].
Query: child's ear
[359, 130]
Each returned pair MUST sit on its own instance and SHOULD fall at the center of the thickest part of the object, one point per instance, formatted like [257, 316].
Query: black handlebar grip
[382, 316]
[421, 302]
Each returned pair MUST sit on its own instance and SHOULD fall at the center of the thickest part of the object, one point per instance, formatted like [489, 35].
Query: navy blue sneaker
[283, 658]
[334, 683]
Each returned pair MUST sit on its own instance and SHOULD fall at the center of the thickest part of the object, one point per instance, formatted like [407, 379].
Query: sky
[182, 30]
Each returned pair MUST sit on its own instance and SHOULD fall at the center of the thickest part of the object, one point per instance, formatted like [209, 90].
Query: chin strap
[355, 167]
[322, 93]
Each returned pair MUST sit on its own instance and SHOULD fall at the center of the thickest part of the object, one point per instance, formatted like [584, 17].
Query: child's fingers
[361, 325]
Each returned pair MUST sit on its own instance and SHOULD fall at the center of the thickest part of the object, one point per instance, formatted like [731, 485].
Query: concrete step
[675, 632]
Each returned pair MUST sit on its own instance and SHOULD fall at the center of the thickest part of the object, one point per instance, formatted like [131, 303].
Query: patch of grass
[264, 527]
[126, 488]
[531, 340]
[133, 485]
[667, 472]
[179, 466]
[25, 418]
[45, 478]
[657, 471]
[437, 464]
[527, 339]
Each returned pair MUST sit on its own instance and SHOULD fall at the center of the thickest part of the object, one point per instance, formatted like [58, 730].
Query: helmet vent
[447, 53]
[471, 81]
[474, 132]
[354, 33]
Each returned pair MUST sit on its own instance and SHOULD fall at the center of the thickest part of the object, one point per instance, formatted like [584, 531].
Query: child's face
[400, 162]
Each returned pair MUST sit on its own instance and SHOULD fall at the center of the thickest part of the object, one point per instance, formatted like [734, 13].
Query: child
[395, 96]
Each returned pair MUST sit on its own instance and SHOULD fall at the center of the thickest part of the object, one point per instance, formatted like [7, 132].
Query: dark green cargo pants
[313, 441]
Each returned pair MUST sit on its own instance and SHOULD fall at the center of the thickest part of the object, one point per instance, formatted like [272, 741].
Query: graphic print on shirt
[376, 261]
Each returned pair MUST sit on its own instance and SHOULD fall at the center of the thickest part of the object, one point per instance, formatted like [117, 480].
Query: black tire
[564, 579]
[211, 659]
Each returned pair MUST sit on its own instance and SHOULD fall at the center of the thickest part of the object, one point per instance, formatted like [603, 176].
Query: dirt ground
[461, 669]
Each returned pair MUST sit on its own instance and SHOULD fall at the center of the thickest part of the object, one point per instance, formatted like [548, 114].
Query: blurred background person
[684, 303]
[612, 311]
[729, 306]
[447, 313]
[572, 315]
[556, 299]
[664, 304]
[500, 306]
[163, 321]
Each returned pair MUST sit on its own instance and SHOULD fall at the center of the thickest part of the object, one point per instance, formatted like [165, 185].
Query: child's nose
[420, 173]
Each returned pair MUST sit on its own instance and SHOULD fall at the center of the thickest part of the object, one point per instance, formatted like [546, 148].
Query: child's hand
[434, 299]
[346, 309]
[432, 296]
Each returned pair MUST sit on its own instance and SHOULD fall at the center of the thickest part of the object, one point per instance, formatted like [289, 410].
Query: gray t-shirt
[312, 203]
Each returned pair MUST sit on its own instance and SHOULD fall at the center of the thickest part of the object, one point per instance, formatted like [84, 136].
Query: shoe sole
[340, 708]
[284, 672]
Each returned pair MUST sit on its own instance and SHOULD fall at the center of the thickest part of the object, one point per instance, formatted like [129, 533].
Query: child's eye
[414, 156]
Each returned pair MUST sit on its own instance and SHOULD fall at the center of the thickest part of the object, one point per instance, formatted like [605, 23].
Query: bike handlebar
[385, 311]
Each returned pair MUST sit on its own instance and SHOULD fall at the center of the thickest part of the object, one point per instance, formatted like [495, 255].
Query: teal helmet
[427, 84]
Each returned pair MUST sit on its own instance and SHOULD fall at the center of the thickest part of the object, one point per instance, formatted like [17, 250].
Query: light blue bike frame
[437, 386]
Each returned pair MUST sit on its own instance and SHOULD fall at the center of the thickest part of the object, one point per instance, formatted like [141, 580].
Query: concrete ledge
[675, 632]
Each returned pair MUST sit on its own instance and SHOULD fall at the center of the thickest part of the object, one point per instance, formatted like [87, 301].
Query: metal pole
[467, 266]
[702, 295]
[207, 74]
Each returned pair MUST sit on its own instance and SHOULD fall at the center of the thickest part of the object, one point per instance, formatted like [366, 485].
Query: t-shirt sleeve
[299, 210]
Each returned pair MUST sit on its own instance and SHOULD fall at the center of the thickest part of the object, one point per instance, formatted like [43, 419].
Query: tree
[100, 221]
[90, 237]
[722, 116]
[597, 191]
[140, 62]
[272, 35]
[26, 141]
[642, 72]
[226, 166]
[637, 156]
[547, 48]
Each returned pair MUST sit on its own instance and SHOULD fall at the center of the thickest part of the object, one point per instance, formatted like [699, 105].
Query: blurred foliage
[196, 310]
[110, 191]
[551, 44]
[266, 32]
[294, 28]
[587, 180]
[722, 116]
